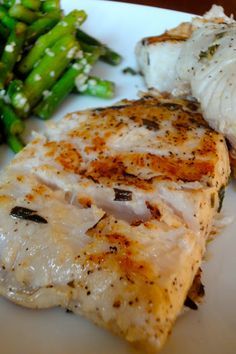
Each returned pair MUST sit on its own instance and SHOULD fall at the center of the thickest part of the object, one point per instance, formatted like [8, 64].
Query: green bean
[14, 87]
[15, 143]
[65, 26]
[31, 4]
[11, 52]
[8, 3]
[78, 71]
[97, 87]
[21, 13]
[47, 72]
[5, 19]
[109, 56]
[4, 32]
[12, 123]
[50, 5]
[42, 25]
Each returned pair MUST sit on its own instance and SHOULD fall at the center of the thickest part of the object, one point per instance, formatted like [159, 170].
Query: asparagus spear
[8, 3]
[14, 87]
[77, 72]
[109, 56]
[21, 13]
[15, 143]
[31, 4]
[12, 123]
[6, 19]
[4, 32]
[97, 87]
[50, 5]
[42, 25]
[67, 25]
[46, 73]
[11, 52]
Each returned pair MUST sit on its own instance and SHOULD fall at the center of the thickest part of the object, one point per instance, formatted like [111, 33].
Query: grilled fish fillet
[197, 58]
[108, 215]
[157, 57]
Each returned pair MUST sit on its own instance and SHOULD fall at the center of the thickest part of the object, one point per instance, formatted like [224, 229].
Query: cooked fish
[108, 215]
[203, 65]
[157, 57]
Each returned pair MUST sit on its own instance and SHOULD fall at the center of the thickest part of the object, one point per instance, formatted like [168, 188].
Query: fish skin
[127, 265]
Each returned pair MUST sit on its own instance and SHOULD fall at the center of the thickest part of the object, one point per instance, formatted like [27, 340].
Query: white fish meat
[102, 217]
[203, 65]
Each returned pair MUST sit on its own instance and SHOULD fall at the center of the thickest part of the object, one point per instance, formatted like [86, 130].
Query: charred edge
[154, 210]
[69, 311]
[151, 125]
[171, 106]
[193, 106]
[95, 225]
[122, 195]
[129, 175]
[93, 179]
[201, 290]
[27, 214]
[111, 108]
[190, 303]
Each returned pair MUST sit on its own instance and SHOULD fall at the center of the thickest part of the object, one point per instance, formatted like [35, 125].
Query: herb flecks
[220, 35]
[150, 124]
[209, 53]
[122, 195]
[27, 214]
[130, 71]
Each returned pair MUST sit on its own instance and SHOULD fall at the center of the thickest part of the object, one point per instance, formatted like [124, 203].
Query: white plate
[212, 328]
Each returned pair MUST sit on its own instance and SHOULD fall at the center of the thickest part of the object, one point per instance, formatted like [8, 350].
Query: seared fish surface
[108, 215]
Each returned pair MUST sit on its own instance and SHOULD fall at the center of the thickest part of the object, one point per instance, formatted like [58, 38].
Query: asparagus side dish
[44, 56]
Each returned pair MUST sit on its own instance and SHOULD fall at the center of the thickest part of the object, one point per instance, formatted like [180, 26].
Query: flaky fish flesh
[108, 215]
[197, 58]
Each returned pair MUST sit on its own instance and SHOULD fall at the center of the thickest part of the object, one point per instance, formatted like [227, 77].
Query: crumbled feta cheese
[4, 96]
[83, 88]
[10, 47]
[77, 66]
[64, 24]
[84, 61]
[49, 52]
[37, 77]
[92, 82]
[21, 100]
[71, 53]
[79, 54]
[87, 68]
[46, 93]
[80, 80]
[79, 21]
